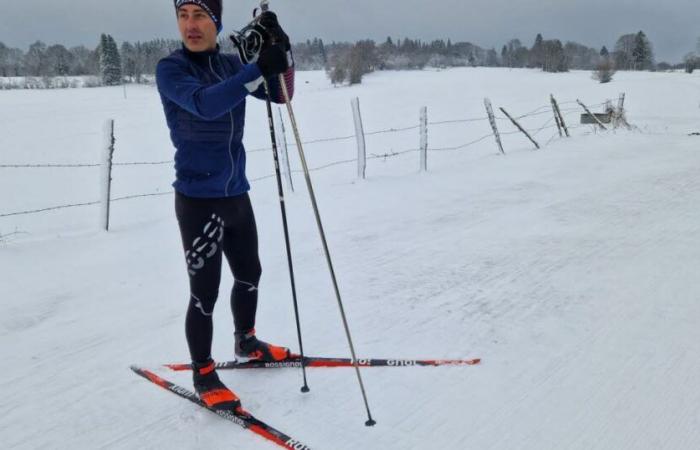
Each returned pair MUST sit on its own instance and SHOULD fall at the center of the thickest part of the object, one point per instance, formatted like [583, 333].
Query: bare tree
[605, 70]
[554, 56]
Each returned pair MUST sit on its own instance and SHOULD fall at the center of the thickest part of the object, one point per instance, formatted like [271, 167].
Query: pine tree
[642, 56]
[537, 52]
[322, 51]
[4, 57]
[110, 62]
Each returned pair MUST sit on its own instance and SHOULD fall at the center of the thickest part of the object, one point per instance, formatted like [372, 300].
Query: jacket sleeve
[205, 101]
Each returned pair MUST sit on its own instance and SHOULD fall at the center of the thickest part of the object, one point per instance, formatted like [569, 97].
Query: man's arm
[205, 101]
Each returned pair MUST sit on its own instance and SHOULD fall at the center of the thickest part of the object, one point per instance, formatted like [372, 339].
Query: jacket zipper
[230, 140]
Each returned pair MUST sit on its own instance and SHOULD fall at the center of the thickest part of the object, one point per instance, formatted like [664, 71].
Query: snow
[570, 271]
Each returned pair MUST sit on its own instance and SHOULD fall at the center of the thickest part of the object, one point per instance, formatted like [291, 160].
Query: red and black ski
[243, 419]
[310, 361]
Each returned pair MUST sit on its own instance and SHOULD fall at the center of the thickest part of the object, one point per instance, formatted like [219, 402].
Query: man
[203, 93]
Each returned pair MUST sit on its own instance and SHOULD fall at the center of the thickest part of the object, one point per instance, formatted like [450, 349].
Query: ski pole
[275, 155]
[370, 422]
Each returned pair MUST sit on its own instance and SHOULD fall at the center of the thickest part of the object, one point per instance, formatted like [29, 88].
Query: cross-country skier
[204, 93]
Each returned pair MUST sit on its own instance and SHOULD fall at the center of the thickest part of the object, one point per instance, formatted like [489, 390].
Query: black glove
[275, 34]
[273, 61]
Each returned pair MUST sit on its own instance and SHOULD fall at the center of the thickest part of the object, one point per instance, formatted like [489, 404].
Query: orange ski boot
[211, 390]
[250, 348]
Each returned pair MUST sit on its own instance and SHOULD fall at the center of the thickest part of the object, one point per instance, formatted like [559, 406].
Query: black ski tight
[210, 227]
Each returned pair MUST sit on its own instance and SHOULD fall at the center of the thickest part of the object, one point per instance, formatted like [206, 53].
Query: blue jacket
[203, 97]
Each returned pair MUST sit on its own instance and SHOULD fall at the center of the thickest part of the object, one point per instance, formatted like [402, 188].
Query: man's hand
[273, 61]
[274, 34]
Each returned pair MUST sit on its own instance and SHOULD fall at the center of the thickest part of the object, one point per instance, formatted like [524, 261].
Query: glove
[273, 31]
[273, 61]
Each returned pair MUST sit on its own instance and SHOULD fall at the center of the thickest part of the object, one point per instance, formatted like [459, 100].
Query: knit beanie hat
[212, 7]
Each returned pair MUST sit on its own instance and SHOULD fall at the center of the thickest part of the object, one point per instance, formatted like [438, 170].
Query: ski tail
[311, 361]
[240, 418]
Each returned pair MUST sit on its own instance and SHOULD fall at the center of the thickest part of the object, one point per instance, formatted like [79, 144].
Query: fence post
[621, 103]
[591, 114]
[537, 146]
[282, 137]
[558, 113]
[494, 127]
[424, 139]
[107, 154]
[360, 137]
[556, 116]
[619, 115]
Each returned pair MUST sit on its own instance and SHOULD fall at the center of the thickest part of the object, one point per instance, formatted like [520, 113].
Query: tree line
[344, 62]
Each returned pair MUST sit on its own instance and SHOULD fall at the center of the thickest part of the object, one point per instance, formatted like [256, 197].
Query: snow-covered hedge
[90, 81]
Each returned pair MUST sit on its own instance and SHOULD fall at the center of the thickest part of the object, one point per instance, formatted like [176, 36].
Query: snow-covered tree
[59, 60]
[110, 62]
[642, 54]
[554, 56]
[624, 49]
[35, 62]
[4, 58]
[492, 58]
[537, 52]
[605, 69]
[691, 62]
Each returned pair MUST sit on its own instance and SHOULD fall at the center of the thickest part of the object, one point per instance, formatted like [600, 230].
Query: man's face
[197, 29]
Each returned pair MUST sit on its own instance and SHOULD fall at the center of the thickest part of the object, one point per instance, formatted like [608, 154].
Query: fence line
[546, 109]
[43, 166]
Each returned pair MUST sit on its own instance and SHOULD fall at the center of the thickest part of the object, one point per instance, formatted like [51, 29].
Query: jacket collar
[201, 57]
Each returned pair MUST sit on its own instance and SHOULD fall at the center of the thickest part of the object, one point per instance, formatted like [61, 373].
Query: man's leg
[202, 234]
[241, 250]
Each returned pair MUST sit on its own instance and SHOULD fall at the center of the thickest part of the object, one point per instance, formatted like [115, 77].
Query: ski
[311, 361]
[243, 419]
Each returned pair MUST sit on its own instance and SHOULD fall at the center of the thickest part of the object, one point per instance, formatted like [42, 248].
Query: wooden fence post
[620, 116]
[424, 139]
[494, 127]
[588, 111]
[360, 137]
[558, 113]
[521, 128]
[107, 154]
[556, 117]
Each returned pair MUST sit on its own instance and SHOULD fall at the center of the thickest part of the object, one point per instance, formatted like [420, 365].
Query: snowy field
[571, 271]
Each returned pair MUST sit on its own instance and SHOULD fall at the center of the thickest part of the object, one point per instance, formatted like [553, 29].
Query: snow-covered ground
[570, 271]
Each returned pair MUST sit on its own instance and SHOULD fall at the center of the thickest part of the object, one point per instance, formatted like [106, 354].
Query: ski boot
[211, 390]
[249, 348]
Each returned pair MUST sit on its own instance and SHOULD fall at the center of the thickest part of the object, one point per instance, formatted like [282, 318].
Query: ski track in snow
[571, 271]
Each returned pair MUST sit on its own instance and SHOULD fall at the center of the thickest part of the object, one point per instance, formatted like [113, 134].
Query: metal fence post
[360, 137]
[424, 139]
[107, 154]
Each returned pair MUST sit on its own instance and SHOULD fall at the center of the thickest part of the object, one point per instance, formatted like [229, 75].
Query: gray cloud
[671, 25]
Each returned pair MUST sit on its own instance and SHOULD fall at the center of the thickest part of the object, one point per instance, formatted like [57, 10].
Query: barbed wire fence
[553, 121]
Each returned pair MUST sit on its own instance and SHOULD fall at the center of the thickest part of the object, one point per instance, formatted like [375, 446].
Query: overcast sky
[672, 25]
